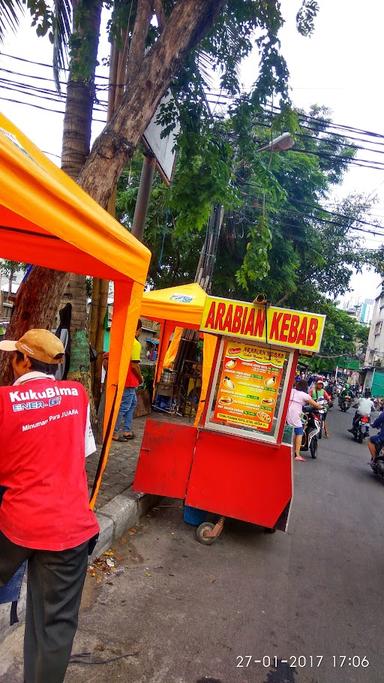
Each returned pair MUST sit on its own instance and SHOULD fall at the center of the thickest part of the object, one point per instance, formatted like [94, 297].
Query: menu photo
[249, 385]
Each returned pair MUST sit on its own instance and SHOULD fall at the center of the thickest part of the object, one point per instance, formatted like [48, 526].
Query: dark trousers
[54, 588]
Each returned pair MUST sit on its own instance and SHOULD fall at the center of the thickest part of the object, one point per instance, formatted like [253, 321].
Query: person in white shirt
[364, 407]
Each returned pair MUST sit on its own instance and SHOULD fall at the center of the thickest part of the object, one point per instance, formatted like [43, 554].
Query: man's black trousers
[54, 588]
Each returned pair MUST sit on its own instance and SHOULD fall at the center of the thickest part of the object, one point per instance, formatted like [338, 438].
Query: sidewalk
[118, 507]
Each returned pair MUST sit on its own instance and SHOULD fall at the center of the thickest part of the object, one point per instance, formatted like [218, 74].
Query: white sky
[339, 67]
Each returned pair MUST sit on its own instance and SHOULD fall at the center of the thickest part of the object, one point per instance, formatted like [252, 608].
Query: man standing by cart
[123, 430]
[44, 513]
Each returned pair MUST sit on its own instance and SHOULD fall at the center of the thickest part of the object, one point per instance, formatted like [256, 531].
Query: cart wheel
[269, 530]
[201, 533]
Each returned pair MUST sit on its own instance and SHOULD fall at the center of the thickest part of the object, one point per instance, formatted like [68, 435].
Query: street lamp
[279, 144]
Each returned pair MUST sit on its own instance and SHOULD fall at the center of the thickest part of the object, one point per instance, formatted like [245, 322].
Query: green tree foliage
[343, 337]
[277, 238]
[9, 269]
[289, 189]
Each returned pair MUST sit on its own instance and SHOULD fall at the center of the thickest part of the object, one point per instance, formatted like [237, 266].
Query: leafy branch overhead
[276, 238]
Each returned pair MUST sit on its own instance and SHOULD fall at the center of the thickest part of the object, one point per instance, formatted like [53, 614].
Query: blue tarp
[10, 592]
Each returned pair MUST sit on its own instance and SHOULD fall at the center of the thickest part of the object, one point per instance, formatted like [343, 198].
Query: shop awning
[48, 220]
[183, 304]
[178, 307]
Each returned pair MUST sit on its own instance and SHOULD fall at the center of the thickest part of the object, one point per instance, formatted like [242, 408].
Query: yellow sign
[269, 324]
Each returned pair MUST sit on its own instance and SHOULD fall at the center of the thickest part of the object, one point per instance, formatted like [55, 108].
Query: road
[173, 611]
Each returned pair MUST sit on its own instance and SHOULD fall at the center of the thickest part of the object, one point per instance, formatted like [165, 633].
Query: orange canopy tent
[46, 219]
[175, 308]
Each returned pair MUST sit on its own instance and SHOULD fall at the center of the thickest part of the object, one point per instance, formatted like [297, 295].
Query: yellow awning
[183, 304]
[46, 219]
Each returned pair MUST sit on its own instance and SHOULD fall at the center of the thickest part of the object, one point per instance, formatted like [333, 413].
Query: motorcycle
[312, 423]
[345, 402]
[379, 404]
[322, 413]
[360, 429]
[378, 463]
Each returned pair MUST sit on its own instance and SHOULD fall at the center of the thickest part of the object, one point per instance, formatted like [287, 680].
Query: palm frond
[9, 16]
[62, 29]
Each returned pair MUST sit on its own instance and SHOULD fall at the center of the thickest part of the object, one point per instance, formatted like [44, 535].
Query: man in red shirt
[123, 429]
[44, 513]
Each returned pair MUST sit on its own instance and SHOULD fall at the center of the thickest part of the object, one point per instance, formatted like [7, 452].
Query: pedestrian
[45, 518]
[123, 430]
[299, 397]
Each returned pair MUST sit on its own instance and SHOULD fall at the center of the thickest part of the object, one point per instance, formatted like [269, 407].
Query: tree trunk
[10, 278]
[75, 149]
[77, 126]
[188, 23]
[35, 306]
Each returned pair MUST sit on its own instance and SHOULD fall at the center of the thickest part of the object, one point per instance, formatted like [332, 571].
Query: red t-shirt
[42, 465]
[132, 381]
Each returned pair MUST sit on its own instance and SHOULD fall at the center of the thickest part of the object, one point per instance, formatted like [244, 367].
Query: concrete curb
[120, 514]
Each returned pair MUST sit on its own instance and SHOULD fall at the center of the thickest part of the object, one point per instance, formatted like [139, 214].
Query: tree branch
[189, 21]
[160, 14]
[136, 54]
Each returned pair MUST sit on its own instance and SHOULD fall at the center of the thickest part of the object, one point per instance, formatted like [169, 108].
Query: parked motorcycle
[360, 429]
[345, 402]
[312, 423]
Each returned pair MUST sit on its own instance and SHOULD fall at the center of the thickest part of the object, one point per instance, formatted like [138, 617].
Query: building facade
[375, 348]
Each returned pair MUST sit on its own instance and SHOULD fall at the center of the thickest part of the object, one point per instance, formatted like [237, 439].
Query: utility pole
[204, 274]
[143, 195]
[207, 260]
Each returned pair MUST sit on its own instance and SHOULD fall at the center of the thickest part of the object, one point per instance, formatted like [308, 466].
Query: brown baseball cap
[42, 345]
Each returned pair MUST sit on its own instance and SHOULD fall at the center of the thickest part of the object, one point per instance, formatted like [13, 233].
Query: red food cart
[236, 459]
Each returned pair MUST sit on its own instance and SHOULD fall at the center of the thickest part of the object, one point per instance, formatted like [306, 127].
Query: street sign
[162, 147]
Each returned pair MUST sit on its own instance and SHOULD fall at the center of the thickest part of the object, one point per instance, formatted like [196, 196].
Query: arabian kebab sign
[268, 324]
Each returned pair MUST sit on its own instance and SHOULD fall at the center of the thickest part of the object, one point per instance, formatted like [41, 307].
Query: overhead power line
[49, 66]
[225, 99]
[38, 106]
[101, 106]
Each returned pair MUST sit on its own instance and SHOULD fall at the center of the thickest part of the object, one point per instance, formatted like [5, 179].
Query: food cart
[46, 219]
[236, 460]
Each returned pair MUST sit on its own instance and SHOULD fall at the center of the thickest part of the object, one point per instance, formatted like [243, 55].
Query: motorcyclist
[344, 394]
[346, 391]
[364, 407]
[377, 441]
[318, 393]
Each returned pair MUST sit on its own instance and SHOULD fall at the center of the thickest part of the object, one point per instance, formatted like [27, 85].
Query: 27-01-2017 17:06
[304, 661]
